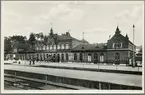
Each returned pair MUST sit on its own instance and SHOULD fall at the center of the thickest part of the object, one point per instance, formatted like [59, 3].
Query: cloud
[96, 30]
[62, 12]
[131, 16]
[11, 17]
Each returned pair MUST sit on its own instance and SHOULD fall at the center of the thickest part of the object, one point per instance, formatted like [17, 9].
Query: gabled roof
[118, 34]
[89, 47]
[64, 37]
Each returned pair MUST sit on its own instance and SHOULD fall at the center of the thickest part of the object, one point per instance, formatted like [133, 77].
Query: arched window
[75, 56]
[101, 57]
[62, 57]
[89, 57]
[58, 57]
[66, 57]
[47, 55]
[81, 56]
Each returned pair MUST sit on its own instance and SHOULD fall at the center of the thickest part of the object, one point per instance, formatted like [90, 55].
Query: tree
[37, 36]
[45, 40]
[7, 45]
[18, 38]
[32, 40]
[41, 35]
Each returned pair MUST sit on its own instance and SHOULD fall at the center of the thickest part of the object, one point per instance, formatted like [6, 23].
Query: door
[95, 58]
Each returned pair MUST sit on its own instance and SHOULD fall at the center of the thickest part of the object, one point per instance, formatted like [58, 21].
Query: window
[47, 56]
[62, 46]
[75, 56]
[50, 47]
[113, 45]
[36, 47]
[62, 57]
[67, 46]
[121, 45]
[101, 57]
[89, 57]
[81, 56]
[58, 46]
[117, 56]
[41, 47]
[44, 47]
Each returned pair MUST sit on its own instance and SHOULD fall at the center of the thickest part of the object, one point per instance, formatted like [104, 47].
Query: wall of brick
[123, 56]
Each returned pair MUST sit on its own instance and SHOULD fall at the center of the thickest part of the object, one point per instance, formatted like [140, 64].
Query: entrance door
[117, 58]
[95, 58]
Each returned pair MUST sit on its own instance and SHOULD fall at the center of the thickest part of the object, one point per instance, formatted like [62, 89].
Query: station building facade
[64, 48]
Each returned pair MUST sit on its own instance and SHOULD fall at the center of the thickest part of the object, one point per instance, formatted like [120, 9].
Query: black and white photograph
[72, 47]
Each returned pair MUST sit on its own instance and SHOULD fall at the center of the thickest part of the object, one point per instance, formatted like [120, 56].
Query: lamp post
[83, 56]
[133, 63]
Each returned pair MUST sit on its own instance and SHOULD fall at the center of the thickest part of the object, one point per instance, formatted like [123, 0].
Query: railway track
[31, 83]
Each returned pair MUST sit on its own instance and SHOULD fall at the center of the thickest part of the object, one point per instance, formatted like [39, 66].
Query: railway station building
[65, 48]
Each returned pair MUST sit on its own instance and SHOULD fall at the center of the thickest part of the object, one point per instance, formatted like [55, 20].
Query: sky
[97, 19]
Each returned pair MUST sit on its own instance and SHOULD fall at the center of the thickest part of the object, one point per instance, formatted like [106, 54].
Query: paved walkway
[117, 78]
[82, 65]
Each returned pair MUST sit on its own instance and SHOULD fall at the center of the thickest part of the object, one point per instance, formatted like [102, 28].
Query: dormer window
[47, 47]
[62, 46]
[44, 47]
[58, 46]
[54, 46]
[67, 46]
[50, 47]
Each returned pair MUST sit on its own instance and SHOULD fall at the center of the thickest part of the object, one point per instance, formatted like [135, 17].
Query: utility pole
[133, 48]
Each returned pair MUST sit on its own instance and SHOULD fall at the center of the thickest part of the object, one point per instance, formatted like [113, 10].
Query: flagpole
[133, 48]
